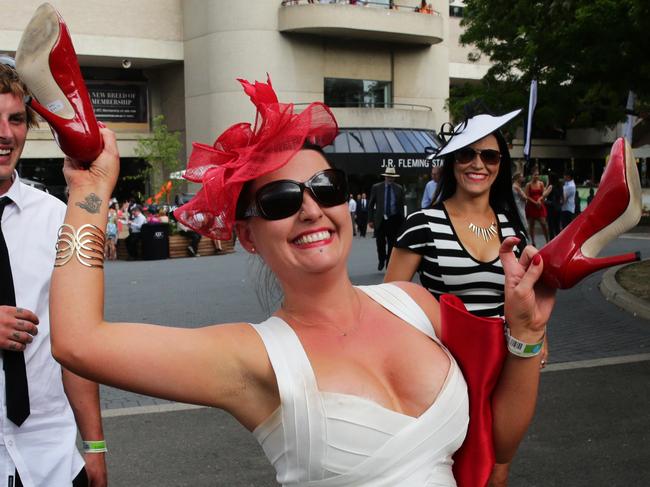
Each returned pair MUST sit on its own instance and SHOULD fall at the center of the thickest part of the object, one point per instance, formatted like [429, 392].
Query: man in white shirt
[133, 241]
[39, 401]
[430, 188]
[569, 200]
[352, 208]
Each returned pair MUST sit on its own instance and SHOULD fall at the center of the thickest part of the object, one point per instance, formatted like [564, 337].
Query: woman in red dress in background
[535, 208]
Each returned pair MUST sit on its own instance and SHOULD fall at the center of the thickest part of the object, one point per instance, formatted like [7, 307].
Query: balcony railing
[370, 20]
[399, 106]
[364, 3]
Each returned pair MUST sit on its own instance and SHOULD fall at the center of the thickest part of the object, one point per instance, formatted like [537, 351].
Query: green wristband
[95, 446]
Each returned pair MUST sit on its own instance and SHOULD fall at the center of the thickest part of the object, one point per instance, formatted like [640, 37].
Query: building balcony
[370, 21]
[397, 117]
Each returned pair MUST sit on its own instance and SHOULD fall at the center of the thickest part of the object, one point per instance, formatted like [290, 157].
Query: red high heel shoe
[479, 347]
[47, 64]
[571, 256]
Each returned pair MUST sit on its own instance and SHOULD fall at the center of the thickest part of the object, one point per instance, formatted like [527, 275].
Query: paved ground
[591, 427]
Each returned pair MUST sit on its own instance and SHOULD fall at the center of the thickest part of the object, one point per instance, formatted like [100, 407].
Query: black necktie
[17, 395]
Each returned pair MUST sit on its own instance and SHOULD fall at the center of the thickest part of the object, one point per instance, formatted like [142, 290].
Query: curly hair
[11, 83]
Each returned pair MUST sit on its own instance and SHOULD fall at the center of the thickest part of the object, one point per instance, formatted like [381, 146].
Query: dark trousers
[80, 480]
[195, 238]
[133, 242]
[553, 219]
[362, 223]
[385, 236]
[566, 217]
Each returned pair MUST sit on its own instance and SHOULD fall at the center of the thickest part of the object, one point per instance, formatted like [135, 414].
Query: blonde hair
[11, 84]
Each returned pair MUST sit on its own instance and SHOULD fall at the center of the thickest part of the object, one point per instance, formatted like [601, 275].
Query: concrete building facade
[386, 71]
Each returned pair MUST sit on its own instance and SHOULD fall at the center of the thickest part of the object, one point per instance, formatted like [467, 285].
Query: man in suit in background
[362, 214]
[386, 214]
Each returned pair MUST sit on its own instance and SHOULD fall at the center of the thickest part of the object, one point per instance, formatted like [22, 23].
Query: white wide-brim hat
[390, 172]
[475, 129]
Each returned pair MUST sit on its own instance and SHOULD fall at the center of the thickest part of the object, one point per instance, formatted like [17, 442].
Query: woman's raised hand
[528, 303]
[102, 173]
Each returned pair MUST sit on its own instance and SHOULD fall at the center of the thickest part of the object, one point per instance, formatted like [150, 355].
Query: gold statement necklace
[485, 233]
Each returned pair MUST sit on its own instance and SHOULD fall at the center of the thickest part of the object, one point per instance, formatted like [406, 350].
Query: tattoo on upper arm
[91, 204]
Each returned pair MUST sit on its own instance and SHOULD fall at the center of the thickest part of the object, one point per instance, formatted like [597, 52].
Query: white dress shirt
[136, 224]
[43, 449]
[352, 205]
[429, 191]
[569, 196]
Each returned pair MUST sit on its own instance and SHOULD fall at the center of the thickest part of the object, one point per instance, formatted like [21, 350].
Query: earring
[252, 250]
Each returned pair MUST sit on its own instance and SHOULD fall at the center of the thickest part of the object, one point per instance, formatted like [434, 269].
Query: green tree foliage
[585, 54]
[161, 150]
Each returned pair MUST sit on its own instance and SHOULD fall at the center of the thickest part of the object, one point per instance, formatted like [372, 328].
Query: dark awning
[371, 150]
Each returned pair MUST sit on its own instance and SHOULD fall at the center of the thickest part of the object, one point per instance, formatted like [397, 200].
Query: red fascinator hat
[242, 153]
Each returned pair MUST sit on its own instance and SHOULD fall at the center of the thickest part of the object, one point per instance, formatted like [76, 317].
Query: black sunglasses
[283, 198]
[488, 156]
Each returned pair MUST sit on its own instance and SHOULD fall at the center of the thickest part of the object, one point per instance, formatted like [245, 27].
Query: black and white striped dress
[448, 268]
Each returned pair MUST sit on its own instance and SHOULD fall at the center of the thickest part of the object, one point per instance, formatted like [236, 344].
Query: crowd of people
[125, 221]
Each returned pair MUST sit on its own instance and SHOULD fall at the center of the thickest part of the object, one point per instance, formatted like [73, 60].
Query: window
[360, 93]
[455, 11]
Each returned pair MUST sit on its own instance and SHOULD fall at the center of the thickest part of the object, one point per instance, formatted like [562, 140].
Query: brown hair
[11, 83]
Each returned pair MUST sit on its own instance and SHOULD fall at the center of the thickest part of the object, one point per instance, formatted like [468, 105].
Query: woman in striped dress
[454, 244]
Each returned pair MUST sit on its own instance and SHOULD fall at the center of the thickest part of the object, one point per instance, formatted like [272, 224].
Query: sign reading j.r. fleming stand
[119, 102]
[376, 163]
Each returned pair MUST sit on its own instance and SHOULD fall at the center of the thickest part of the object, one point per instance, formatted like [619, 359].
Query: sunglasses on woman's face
[283, 198]
[488, 156]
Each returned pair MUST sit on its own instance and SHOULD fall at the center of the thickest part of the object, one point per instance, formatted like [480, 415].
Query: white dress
[325, 439]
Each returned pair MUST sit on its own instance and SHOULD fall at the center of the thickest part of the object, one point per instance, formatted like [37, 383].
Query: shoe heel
[582, 267]
[599, 263]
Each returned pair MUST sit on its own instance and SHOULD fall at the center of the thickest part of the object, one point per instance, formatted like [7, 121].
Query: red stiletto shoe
[479, 347]
[571, 256]
[47, 64]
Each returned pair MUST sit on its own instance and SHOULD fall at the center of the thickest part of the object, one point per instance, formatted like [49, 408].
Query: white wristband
[522, 349]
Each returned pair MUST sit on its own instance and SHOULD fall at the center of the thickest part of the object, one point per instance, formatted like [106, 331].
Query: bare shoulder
[424, 299]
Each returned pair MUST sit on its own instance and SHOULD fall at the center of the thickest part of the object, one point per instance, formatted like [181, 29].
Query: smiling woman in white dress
[343, 385]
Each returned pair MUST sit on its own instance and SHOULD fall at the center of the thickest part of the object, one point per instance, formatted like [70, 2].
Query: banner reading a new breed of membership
[119, 102]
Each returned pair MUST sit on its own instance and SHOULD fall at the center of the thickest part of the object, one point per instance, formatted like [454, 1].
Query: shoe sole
[628, 219]
[33, 61]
